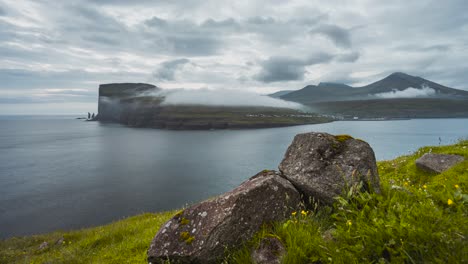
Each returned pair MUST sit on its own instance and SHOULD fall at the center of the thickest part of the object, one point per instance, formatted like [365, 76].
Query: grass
[124, 241]
[418, 218]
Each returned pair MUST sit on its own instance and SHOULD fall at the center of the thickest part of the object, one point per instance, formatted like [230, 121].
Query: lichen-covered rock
[438, 163]
[202, 232]
[321, 165]
[270, 251]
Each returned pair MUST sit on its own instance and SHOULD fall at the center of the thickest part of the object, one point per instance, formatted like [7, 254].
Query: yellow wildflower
[304, 213]
[425, 186]
[294, 213]
[456, 186]
[349, 223]
[406, 184]
[449, 202]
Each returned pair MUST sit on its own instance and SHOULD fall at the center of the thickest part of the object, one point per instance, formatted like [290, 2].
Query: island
[144, 105]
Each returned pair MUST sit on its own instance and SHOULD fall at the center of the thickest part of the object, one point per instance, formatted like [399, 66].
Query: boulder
[270, 251]
[322, 166]
[202, 232]
[438, 163]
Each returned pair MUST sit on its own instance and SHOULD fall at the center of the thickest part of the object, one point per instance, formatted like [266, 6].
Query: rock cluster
[316, 166]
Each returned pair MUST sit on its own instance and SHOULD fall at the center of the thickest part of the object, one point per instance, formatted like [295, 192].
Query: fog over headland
[220, 97]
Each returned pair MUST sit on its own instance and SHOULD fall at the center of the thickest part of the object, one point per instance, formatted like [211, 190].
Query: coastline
[128, 239]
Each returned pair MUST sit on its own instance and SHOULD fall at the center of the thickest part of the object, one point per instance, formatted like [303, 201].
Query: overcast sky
[54, 54]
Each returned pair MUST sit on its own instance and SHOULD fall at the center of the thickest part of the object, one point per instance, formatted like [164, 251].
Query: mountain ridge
[398, 81]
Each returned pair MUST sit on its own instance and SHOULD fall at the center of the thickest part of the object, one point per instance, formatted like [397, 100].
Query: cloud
[182, 37]
[72, 79]
[79, 44]
[348, 57]
[277, 69]
[338, 35]
[224, 98]
[167, 69]
[410, 92]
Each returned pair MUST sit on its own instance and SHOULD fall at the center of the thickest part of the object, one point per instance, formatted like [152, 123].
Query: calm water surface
[62, 173]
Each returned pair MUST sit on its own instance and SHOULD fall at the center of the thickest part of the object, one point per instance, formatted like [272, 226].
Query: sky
[54, 54]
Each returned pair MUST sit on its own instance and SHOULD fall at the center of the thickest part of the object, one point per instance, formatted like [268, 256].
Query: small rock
[321, 165]
[43, 245]
[224, 222]
[60, 241]
[438, 163]
[270, 251]
[328, 235]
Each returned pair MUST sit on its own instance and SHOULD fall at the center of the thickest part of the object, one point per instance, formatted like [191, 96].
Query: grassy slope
[411, 221]
[124, 241]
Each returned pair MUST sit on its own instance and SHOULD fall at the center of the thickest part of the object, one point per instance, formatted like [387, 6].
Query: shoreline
[127, 240]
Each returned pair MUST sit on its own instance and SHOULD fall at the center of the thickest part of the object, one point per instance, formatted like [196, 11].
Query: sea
[61, 173]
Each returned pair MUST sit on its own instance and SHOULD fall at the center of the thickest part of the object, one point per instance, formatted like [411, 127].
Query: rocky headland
[143, 105]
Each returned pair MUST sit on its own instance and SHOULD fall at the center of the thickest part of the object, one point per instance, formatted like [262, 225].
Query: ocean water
[57, 172]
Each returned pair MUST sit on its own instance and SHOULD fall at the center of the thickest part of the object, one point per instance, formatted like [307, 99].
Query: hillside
[327, 92]
[280, 93]
[418, 218]
[395, 108]
[396, 96]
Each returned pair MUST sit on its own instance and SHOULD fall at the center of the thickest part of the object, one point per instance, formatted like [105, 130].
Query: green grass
[418, 218]
[124, 241]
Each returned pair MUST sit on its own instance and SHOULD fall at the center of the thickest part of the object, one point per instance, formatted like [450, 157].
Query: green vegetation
[418, 218]
[343, 138]
[124, 241]
[215, 117]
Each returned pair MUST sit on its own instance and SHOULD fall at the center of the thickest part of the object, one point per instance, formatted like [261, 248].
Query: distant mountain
[280, 93]
[396, 85]
[401, 81]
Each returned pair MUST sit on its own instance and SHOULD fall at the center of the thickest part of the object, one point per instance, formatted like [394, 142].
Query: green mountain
[391, 86]
[398, 95]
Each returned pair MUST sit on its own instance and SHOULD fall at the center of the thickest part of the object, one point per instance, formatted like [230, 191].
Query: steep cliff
[117, 98]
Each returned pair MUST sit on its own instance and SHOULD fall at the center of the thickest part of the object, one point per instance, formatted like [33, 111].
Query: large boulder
[202, 232]
[438, 163]
[322, 166]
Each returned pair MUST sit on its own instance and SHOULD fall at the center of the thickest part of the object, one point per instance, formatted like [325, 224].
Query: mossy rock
[343, 138]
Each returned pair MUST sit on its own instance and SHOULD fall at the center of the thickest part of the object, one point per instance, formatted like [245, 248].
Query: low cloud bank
[221, 98]
[410, 92]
